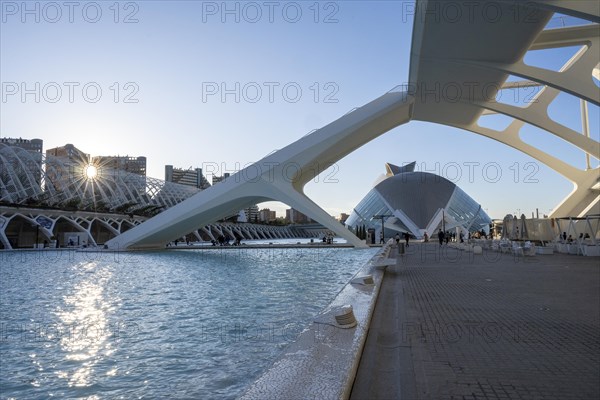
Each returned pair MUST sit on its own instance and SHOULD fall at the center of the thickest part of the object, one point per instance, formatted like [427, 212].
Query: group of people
[223, 240]
[406, 238]
[328, 239]
[443, 237]
[569, 239]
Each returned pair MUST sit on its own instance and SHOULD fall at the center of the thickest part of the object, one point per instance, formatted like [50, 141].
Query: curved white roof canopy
[458, 66]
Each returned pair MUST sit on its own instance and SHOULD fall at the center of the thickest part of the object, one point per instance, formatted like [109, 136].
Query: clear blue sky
[173, 55]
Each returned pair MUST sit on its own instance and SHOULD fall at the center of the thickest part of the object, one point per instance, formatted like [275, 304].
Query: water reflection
[84, 314]
[189, 324]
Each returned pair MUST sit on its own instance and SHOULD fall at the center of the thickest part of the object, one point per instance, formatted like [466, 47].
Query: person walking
[441, 237]
[397, 239]
[406, 237]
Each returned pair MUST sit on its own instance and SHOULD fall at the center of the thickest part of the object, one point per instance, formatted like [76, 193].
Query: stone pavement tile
[490, 326]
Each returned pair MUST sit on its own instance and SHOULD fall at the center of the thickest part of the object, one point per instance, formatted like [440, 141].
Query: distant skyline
[218, 85]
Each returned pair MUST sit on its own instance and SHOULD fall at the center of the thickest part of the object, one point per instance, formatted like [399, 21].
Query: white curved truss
[447, 61]
[575, 78]
[279, 176]
[33, 179]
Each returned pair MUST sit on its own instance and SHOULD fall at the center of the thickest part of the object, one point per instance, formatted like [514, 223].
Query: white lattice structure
[22, 227]
[452, 59]
[30, 178]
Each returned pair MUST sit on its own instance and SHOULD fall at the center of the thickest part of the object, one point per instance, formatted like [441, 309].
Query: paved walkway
[450, 325]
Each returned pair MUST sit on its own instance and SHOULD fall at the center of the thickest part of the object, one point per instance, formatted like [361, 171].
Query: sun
[90, 171]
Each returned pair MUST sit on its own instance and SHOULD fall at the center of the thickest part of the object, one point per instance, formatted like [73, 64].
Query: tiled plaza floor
[451, 325]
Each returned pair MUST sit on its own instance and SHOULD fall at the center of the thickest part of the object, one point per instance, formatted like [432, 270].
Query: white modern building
[189, 177]
[416, 202]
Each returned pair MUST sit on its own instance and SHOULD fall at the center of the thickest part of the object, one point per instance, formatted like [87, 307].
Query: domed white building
[418, 203]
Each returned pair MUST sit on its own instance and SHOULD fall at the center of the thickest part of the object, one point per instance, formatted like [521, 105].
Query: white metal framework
[33, 179]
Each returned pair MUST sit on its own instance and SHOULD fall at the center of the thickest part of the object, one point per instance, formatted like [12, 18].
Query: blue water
[200, 324]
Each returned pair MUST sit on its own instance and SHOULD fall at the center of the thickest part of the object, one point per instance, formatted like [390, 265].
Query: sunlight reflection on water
[85, 308]
[184, 324]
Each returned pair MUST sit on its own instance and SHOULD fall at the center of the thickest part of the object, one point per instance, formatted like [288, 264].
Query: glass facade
[372, 204]
[415, 194]
[466, 212]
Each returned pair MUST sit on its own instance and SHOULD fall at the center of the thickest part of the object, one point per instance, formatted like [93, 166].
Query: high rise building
[65, 165]
[217, 179]
[294, 216]
[134, 165]
[33, 167]
[266, 215]
[34, 145]
[189, 177]
[70, 152]
[252, 213]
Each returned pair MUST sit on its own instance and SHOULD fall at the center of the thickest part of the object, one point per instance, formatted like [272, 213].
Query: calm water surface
[199, 324]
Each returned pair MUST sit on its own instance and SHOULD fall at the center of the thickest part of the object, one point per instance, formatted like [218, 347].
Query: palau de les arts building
[417, 202]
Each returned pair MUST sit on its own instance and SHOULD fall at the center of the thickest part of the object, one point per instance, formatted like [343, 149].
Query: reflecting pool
[179, 324]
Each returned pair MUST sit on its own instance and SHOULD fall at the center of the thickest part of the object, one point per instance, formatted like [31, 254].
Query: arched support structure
[589, 10]
[578, 69]
[54, 224]
[280, 176]
[584, 195]
[574, 78]
[441, 60]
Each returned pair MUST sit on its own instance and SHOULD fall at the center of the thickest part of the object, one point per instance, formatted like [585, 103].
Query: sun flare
[91, 172]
